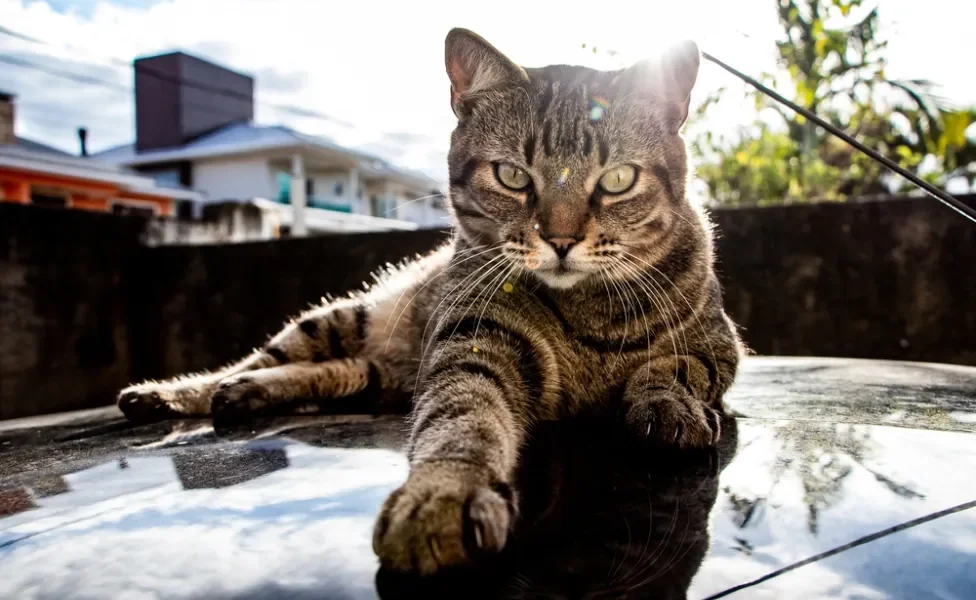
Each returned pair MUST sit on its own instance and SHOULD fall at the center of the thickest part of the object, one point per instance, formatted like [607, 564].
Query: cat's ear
[668, 80]
[474, 65]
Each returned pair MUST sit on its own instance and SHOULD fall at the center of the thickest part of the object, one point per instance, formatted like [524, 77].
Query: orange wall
[82, 194]
[15, 191]
[89, 203]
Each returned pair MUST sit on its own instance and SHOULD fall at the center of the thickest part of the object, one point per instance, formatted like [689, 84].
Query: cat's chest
[594, 375]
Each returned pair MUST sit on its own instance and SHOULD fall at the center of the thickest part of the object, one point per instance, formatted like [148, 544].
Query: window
[309, 189]
[338, 189]
[49, 200]
[166, 177]
[119, 208]
[383, 207]
[284, 187]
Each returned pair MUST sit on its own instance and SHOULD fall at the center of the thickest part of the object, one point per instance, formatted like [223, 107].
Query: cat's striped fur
[552, 299]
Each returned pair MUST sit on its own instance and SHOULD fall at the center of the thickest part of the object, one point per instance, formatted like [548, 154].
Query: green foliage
[835, 63]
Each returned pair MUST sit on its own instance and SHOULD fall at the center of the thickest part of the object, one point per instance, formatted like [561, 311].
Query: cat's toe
[675, 419]
[146, 405]
[437, 521]
[237, 398]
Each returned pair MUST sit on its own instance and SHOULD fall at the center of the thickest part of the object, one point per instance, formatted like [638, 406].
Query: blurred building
[33, 173]
[195, 129]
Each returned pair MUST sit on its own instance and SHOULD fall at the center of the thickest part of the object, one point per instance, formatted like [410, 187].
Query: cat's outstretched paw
[674, 417]
[445, 515]
[146, 403]
[238, 396]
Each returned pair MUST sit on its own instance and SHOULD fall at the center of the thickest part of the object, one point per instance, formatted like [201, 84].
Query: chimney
[181, 97]
[83, 139]
[7, 119]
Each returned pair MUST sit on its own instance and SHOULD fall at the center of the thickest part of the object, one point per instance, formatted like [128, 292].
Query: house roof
[28, 144]
[16, 156]
[245, 138]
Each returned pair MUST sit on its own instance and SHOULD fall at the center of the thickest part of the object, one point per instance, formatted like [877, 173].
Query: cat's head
[569, 169]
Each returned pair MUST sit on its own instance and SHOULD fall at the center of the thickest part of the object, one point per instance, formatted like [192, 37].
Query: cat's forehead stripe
[563, 105]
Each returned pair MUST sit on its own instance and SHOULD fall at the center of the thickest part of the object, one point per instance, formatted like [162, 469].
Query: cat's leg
[254, 391]
[678, 399]
[468, 426]
[330, 332]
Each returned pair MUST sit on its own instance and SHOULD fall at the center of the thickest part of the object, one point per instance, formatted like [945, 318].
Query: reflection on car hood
[92, 507]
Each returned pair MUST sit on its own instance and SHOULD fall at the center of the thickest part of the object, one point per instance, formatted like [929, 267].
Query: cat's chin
[561, 280]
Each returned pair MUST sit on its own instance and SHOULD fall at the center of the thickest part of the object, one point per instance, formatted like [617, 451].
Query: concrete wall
[220, 223]
[207, 305]
[65, 310]
[892, 279]
[84, 307]
[235, 178]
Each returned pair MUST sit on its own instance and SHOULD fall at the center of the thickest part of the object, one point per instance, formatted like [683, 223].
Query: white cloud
[379, 66]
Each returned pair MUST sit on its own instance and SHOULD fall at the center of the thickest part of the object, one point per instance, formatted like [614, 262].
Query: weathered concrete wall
[207, 305]
[84, 308]
[892, 279]
[64, 310]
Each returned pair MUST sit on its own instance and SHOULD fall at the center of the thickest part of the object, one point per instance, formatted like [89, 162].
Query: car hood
[839, 478]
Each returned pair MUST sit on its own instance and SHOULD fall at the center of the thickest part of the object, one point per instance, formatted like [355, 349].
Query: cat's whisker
[603, 275]
[488, 292]
[667, 307]
[619, 266]
[640, 305]
[671, 562]
[424, 347]
[684, 298]
[625, 306]
[496, 286]
[661, 305]
[494, 273]
[647, 327]
[495, 266]
[454, 263]
[407, 203]
[455, 298]
[486, 271]
[662, 546]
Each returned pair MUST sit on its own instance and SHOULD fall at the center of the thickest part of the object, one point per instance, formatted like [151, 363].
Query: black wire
[927, 187]
[76, 77]
[89, 79]
[858, 542]
[297, 111]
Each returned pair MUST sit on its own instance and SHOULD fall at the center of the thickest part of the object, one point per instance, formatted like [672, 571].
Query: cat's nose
[562, 245]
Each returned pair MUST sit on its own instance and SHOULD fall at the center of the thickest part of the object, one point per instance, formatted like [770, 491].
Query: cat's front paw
[674, 417]
[147, 402]
[445, 515]
[238, 396]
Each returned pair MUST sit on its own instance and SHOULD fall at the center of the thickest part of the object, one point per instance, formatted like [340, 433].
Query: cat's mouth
[560, 275]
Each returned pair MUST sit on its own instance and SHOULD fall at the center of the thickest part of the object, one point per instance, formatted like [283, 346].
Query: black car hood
[829, 486]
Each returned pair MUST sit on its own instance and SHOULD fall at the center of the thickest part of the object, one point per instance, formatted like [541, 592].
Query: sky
[373, 71]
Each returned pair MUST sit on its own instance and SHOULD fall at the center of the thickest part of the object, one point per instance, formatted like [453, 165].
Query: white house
[194, 128]
[244, 161]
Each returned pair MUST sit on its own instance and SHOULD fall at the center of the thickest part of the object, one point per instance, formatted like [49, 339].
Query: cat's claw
[676, 418]
[440, 518]
[145, 404]
[236, 397]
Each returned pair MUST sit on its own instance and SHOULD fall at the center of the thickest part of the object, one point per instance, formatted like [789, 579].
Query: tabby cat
[579, 277]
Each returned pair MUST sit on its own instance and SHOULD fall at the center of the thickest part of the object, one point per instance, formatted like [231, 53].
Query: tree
[832, 61]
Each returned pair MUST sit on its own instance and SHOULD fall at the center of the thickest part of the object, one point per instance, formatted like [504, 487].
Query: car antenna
[940, 195]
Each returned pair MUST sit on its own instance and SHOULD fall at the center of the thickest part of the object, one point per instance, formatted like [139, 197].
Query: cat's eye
[618, 180]
[512, 177]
